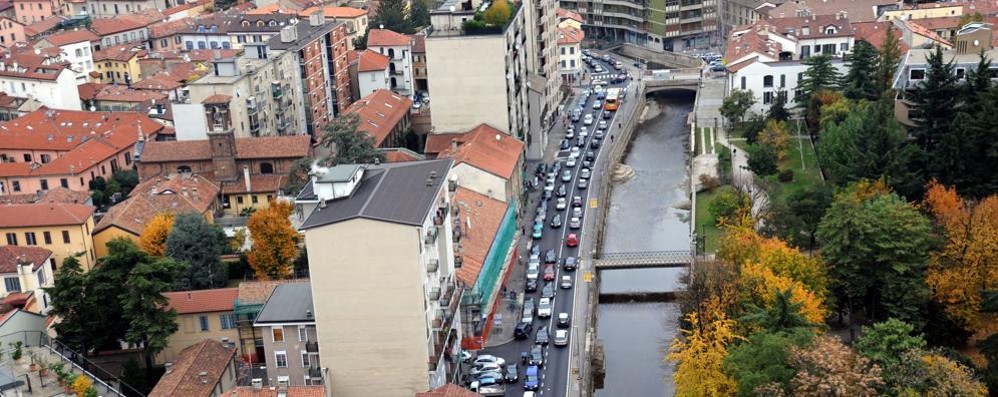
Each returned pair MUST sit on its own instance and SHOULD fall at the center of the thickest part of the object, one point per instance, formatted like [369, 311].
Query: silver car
[566, 176]
[561, 337]
[574, 223]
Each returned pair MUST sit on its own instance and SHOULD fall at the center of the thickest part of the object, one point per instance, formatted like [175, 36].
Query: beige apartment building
[201, 315]
[287, 323]
[382, 266]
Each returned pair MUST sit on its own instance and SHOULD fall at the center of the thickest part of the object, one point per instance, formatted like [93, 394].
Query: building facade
[669, 25]
[290, 343]
[570, 55]
[203, 314]
[25, 272]
[398, 48]
[63, 229]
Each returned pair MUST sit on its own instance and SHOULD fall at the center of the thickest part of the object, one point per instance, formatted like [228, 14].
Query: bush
[785, 176]
[725, 205]
[709, 183]
[762, 161]
[751, 128]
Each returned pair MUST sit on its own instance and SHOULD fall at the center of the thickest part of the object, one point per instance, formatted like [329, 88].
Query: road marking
[593, 203]
[588, 277]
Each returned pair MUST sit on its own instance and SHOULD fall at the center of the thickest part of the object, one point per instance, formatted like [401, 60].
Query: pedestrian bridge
[685, 81]
[631, 260]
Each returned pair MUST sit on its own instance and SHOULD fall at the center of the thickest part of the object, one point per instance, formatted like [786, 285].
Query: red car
[548, 272]
[572, 240]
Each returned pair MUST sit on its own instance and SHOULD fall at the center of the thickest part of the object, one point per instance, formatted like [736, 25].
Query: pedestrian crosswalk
[602, 76]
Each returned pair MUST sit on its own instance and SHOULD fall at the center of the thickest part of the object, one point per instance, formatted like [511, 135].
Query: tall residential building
[543, 65]
[670, 25]
[382, 261]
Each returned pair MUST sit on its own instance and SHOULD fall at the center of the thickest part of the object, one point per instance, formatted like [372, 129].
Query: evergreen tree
[778, 109]
[104, 284]
[980, 129]
[936, 100]
[420, 13]
[393, 15]
[890, 57]
[860, 81]
[820, 75]
[200, 245]
[350, 145]
[69, 303]
[150, 320]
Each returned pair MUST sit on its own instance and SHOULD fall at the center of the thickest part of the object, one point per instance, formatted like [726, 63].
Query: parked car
[533, 270]
[570, 131]
[565, 144]
[488, 358]
[561, 337]
[538, 231]
[548, 273]
[544, 309]
[542, 336]
[556, 221]
[531, 285]
[572, 240]
[486, 367]
[566, 282]
[512, 374]
[531, 378]
[566, 176]
[588, 120]
[548, 291]
[576, 201]
[568, 263]
[522, 330]
[550, 256]
[564, 320]
[537, 355]
[562, 191]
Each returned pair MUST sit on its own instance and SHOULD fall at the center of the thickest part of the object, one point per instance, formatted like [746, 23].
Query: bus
[612, 99]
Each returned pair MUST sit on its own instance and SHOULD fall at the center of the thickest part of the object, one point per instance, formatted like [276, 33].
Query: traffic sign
[593, 203]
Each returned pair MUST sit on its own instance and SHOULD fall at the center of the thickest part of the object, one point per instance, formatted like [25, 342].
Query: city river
[647, 213]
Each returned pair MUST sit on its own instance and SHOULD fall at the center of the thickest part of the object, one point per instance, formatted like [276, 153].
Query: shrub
[709, 183]
[725, 205]
[785, 176]
[81, 384]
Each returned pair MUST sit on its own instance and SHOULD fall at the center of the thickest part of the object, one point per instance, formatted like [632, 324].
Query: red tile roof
[370, 61]
[418, 43]
[217, 99]
[568, 14]
[929, 34]
[488, 149]
[42, 26]
[203, 301]
[184, 378]
[400, 155]
[271, 147]
[49, 214]
[124, 23]
[12, 255]
[167, 28]
[208, 55]
[292, 391]
[121, 53]
[380, 111]
[386, 38]
[71, 37]
[177, 195]
[89, 90]
[486, 215]
[14, 169]
[570, 35]
[258, 184]
[875, 33]
[120, 93]
[63, 130]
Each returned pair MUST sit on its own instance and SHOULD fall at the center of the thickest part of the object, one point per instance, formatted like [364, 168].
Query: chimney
[246, 177]
[203, 376]
[289, 34]
[317, 18]
[168, 367]
[257, 383]
[183, 191]
[453, 144]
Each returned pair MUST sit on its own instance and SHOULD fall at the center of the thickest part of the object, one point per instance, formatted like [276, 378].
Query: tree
[884, 342]
[126, 180]
[274, 241]
[763, 360]
[199, 245]
[777, 302]
[736, 104]
[419, 15]
[726, 205]
[743, 245]
[762, 160]
[968, 18]
[890, 57]
[103, 293]
[935, 100]
[498, 13]
[820, 75]
[944, 378]
[350, 145]
[796, 220]
[360, 43]
[70, 304]
[776, 135]
[153, 238]
[710, 290]
[151, 321]
[751, 128]
[782, 314]
[860, 81]
[393, 15]
[829, 368]
[778, 109]
[700, 354]
[299, 175]
[876, 249]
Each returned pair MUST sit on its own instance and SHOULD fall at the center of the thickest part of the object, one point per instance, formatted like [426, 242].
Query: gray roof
[306, 33]
[340, 173]
[393, 192]
[289, 303]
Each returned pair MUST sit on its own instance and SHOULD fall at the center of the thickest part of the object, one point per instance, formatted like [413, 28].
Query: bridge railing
[644, 258]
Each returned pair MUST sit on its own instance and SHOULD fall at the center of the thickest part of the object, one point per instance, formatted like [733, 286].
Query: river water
[647, 213]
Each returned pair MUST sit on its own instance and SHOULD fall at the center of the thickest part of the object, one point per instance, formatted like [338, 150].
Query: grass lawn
[801, 159]
[706, 226]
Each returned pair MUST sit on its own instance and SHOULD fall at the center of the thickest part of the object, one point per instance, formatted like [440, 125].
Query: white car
[488, 358]
[597, 105]
[544, 308]
[533, 271]
[561, 337]
[602, 125]
[588, 119]
[574, 153]
[549, 187]
[562, 204]
[570, 162]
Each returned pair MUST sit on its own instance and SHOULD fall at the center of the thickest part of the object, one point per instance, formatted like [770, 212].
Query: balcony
[432, 233]
[432, 266]
[282, 125]
[276, 91]
[315, 373]
[434, 294]
[312, 347]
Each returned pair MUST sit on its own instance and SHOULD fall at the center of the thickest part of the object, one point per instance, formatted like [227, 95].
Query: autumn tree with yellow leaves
[699, 356]
[153, 238]
[275, 242]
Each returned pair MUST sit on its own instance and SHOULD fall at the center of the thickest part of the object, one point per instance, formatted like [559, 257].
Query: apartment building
[419, 62]
[394, 221]
[31, 11]
[25, 272]
[104, 9]
[63, 229]
[544, 93]
[398, 48]
[11, 32]
[856, 11]
[295, 83]
[225, 31]
[125, 29]
[368, 72]
[204, 314]
[291, 346]
[670, 25]
[767, 56]
[356, 19]
[119, 64]
[479, 75]
[485, 160]
[570, 54]
[76, 47]
[50, 83]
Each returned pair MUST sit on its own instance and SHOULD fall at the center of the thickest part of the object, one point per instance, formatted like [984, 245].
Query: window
[255, 200]
[228, 320]
[45, 184]
[302, 334]
[189, 45]
[961, 73]
[11, 239]
[163, 43]
[41, 276]
[304, 359]
[828, 49]
[64, 182]
[916, 74]
[79, 52]
[830, 30]
[47, 237]
[13, 284]
[844, 47]
[29, 238]
[266, 168]
[16, 185]
[65, 236]
[278, 334]
[27, 158]
[281, 359]
[204, 323]
[743, 82]
[767, 97]
[767, 81]
[562, 50]
[783, 81]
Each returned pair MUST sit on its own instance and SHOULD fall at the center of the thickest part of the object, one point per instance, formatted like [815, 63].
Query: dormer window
[246, 24]
[804, 31]
[260, 23]
[830, 30]
[273, 23]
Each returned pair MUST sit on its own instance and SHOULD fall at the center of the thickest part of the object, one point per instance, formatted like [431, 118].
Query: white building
[52, 85]
[368, 72]
[25, 271]
[767, 56]
[76, 48]
[570, 54]
[381, 242]
[398, 48]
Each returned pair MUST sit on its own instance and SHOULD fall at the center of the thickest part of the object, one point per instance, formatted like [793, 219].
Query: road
[556, 378]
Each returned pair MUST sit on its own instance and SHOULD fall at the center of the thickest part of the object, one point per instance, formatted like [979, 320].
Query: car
[557, 168]
[488, 358]
[562, 191]
[531, 378]
[565, 144]
[583, 184]
[595, 143]
[576, 201]
[562, 203]
[566, 282]
[607, 114]
[575, 115]
[571, 162]
[548, 273]
[577, 211]
[606, 57]
[599, 69]
[564, 320]
[588, 120]
[574, 152]
[546, 195]
[602, 125]
[574, 222]
[585, 173]
[596, 105]
[537, 355]
[550, 256]
[566, 176]
[584, 134]
[528, 311]
[531, 285]
[548, 291]
[717, 68]
[580, 142]
[599, 134]
[549, 178]
[561, 337]
[544, 308]
[512, 374]
[549, 187]
[572, 240]
[466, 356]
[522, 330]
[590, 156]
[536, 250]
[542, 337]
[569, 263]
[570, 129]
[601, 95]
[533, 270]
[556, 221]
[490, 377]
[486, 367]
